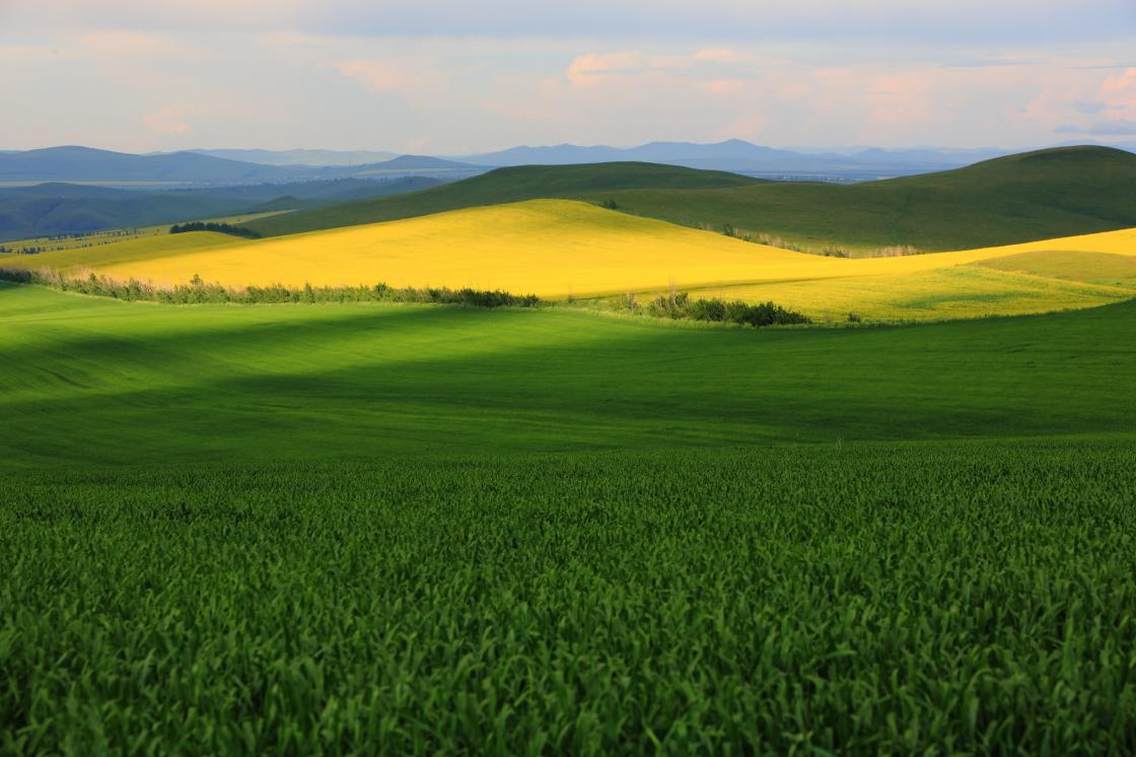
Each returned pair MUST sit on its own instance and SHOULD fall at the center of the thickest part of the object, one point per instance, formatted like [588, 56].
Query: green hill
[1020, 198]
[507, 185]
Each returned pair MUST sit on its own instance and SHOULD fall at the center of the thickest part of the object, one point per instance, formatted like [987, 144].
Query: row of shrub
[198, 291]
[74, 240]
[679, 305]
[220, 228]
[25, 249]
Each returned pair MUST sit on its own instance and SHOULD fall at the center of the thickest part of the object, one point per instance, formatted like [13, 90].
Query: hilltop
[506, 185]
[1019, 198]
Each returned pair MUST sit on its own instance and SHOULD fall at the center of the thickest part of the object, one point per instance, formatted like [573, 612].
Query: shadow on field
[306, 382]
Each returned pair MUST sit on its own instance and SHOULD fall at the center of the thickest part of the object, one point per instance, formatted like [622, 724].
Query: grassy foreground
[303, 528]
[955, 597]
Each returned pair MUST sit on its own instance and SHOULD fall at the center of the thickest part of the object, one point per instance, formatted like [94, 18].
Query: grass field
[559, 249]
[395, 376]
[1027, 197]
[301, 528]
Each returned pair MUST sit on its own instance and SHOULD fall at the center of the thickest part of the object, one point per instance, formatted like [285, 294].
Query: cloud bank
[459, 77]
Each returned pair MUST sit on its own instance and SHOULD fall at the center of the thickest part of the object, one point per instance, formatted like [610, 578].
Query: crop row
[861, 598]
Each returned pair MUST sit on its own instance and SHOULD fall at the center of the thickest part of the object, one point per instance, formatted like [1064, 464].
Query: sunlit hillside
[566, 249]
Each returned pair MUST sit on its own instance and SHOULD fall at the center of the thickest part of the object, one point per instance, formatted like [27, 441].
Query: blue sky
[446, 77]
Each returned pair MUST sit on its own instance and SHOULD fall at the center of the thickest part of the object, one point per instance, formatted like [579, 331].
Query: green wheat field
[303, 528]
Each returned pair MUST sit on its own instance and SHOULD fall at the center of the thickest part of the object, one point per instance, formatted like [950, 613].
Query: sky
[443, 77]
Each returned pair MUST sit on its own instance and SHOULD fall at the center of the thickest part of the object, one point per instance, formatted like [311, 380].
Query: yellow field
[558, 249]
[1107, 268]
[962, 291]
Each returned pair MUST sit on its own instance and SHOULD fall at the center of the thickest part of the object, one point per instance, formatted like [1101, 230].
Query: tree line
[220, 228]
[198, 291]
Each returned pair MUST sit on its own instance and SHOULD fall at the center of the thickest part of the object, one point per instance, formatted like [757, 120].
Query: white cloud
[376, 75]
[168, 120]
[1118, 94]
[454, 76]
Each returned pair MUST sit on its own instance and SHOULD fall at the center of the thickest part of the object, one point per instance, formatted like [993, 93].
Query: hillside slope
[408, 378]
[561, 249]
[1050, 193]
[1020, 198]
[503, 186]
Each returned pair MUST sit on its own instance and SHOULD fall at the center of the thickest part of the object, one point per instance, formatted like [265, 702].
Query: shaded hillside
[1018, 198]
[501, 186]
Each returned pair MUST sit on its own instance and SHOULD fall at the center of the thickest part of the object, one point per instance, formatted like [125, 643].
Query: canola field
[565, 249]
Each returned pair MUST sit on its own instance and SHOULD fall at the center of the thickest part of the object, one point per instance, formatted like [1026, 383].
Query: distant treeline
[198, 291]
[678, 305]
[220, 228]
[79, 239]
[26, 249]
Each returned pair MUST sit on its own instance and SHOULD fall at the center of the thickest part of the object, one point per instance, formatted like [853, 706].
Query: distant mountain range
[743, 157]
[191, 186]
[303, 157]
[222, 167]
[87, 165]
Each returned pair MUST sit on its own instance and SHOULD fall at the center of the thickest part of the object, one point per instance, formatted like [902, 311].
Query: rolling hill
[1002, 201]
[503, 186]
[1018, 198]
[562, 249]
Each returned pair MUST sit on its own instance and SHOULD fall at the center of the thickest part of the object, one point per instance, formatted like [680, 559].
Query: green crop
[961, 597]
[419, 529]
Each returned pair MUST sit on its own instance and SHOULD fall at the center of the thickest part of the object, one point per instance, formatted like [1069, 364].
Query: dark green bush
[220, 228]
[673, 305]
[679, 305]
[708, 310]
